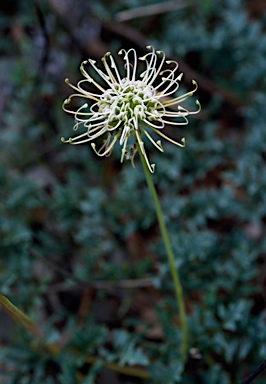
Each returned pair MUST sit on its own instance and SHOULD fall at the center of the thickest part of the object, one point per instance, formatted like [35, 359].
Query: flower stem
[17, 313]
[171, 260]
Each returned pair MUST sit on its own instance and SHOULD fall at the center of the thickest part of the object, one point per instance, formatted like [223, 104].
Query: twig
[19, 316]
[153, 9]
[45, 34]
[126, 370]
[56, 349]
[255, 373]
[104, 285]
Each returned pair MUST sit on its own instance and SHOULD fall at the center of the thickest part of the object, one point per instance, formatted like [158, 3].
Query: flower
[130, 106]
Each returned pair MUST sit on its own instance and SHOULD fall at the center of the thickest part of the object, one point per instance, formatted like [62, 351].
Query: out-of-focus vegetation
[81, 253]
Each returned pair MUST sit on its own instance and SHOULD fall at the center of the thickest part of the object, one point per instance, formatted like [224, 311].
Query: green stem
[17, 313]
[175, 277]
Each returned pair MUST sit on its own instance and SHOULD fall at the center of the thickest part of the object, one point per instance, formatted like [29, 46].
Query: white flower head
[127, 107]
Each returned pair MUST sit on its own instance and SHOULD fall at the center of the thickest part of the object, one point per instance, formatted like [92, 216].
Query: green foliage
[75, 230]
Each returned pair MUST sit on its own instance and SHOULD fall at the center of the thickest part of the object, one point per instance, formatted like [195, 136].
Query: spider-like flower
[130, 106]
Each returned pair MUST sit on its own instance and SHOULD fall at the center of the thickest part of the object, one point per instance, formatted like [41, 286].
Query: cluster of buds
[126, 108]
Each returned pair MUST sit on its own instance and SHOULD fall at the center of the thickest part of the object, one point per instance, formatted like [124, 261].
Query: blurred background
[81, 252]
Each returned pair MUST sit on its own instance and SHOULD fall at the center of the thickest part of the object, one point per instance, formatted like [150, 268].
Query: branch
[152, 9]
[255, 373]
[100, 284]
[19, 316]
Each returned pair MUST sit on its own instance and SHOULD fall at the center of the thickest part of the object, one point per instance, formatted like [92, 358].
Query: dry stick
[134, 371]
[104, 285]
[126, 370]
[16, 312]
[18, 315]
[55, 348]
[152, 9]
[255, 373]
